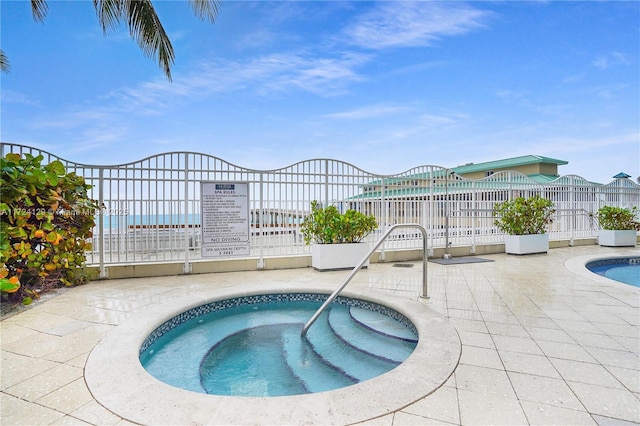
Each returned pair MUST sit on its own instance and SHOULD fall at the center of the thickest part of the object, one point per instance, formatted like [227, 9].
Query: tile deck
[543, 341]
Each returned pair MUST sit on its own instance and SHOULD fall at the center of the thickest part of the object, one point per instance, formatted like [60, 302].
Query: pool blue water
[235, 364]
[257, 349]
[624, 270]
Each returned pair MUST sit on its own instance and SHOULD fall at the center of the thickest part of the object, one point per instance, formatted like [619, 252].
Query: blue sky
[385, 86]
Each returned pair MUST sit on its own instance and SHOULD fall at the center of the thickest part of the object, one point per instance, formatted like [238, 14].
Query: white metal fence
[151, 207]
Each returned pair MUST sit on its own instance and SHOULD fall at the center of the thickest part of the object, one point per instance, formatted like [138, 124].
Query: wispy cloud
[325, 76]
[439, 120]
[611, 91]
[10, 96]
[370, 111]
[263, 76]
[72, 119]
[513, 97]
[411, 24]
[575, 78]
[597, 144]
[611, 59]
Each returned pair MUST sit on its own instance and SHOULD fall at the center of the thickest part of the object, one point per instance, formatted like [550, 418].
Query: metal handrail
[355, 270]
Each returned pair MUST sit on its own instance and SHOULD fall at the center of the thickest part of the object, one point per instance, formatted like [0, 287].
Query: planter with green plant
[619, 226]
[336, 238]
[525, 220]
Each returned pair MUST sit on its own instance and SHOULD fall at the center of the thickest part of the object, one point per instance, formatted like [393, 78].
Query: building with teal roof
[532, 168]
[537, 168]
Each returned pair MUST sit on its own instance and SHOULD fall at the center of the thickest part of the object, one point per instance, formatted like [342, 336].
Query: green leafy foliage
[618, 218]
[327, 226]
[524, 216]
[46, 220]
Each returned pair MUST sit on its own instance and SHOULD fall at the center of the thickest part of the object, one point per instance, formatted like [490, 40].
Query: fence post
[259, 229]
[326, 182]
[186, 269]
[385, 215]
[103, 271]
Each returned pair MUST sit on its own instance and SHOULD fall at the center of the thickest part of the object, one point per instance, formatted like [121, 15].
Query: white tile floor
[543, 342]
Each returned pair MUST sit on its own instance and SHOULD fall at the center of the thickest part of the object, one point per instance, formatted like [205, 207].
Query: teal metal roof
[399, 179]
[458, 186]
[405, 178]
[507, 163]
[621, 175]
[479, 167]
[542, 178]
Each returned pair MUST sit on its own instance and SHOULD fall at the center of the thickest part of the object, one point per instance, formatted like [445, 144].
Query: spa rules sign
[225, 219]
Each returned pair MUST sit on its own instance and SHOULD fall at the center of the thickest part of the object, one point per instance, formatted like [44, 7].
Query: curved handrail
[355, 270]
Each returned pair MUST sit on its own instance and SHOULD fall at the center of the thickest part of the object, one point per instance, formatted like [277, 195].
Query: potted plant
[336, 238]
[618, 226]
[525, 220]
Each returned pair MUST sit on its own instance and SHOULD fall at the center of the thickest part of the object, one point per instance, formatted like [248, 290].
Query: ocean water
[119, 221]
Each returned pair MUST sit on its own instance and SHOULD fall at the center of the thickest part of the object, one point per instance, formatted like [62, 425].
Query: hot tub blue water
[251, 346]
[623, 269]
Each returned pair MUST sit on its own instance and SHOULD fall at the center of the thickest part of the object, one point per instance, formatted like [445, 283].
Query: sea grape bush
[618, 218]
[46, 220]
[524, 216]
[328, 226]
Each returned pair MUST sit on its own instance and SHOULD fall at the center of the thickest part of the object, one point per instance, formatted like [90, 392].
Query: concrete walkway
[543, 341]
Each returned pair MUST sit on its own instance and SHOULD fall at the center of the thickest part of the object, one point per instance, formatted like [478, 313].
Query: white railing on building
[151, 207]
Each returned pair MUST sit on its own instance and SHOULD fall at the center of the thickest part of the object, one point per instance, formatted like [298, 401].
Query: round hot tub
[252, 345]
[117, 379]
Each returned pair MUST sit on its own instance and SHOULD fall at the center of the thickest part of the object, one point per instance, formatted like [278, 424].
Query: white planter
[526, 244]
[327, 257]
[618, 238]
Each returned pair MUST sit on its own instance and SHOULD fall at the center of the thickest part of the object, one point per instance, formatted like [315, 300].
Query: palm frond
[110, 13]
[207, 10]
[39, 9]
[145, 27]
[4, 62]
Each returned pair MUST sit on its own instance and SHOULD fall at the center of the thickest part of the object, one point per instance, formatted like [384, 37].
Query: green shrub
[618, 218]
[524, 216]
[327, 226]
[46, 219]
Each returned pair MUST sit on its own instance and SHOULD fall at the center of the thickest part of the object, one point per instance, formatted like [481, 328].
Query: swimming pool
[622, 269]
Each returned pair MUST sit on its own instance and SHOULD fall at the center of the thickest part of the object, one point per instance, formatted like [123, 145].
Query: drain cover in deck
[403, 265]
[460, 260]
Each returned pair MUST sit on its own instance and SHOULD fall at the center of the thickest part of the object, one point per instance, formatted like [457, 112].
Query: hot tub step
[333, 350]
[311, 370]
[368, 341]
[382, 324]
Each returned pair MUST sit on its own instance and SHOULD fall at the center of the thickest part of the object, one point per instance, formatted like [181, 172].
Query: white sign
[225, 219]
